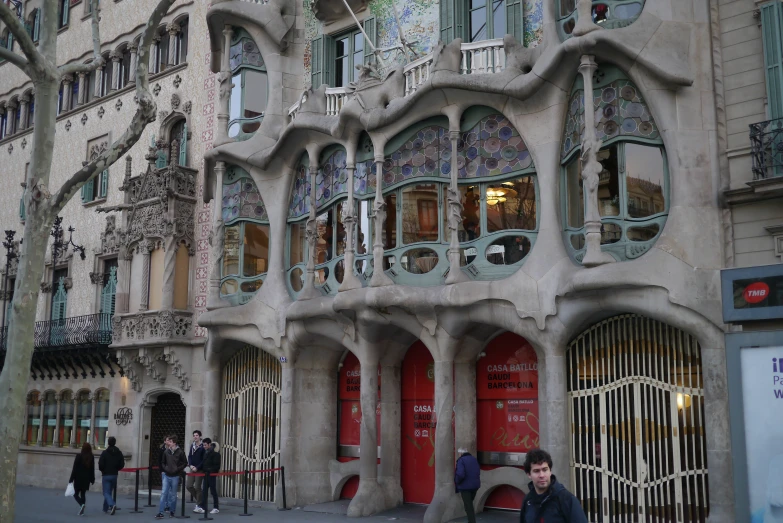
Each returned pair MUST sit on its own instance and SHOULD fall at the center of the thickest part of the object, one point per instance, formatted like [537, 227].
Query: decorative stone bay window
[250, 89]
[632, 191]
[246, 237]
[496, 217]
[609, 14]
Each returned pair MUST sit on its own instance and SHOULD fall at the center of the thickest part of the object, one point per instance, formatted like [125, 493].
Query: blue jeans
[109, 483]
[168, 497]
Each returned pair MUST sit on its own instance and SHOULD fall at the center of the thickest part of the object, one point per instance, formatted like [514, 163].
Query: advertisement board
[418, 425]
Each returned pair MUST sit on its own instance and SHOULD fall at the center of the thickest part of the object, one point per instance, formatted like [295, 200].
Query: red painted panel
[418, 425]
[350, 378]
[509, 369]
[352, 485]
[350, 404]
[505, 497]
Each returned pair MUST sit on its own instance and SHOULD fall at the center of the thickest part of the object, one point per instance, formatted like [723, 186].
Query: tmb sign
[752, 293]
[756, 292]
[123, 416]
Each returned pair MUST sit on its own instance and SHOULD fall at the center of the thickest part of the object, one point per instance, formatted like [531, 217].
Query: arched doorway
[506, 410]
[168, 417]
[251, 422]
[418, 425]
[636, 402]
[349, 411]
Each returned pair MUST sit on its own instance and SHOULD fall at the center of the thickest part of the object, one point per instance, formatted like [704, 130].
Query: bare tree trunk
[43, 206]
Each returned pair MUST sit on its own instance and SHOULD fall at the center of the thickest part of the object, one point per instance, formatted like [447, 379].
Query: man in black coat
[195, 459]
[110, 464]
[211, 464]
[547, 500]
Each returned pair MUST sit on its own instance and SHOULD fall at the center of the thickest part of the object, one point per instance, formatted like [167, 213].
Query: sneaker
[198, 510]
[111, 510]
[81, 510]
[171, 515]
[159, 515]
[214, 511]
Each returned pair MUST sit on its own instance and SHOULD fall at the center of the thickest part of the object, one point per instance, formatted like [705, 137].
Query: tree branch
[20, 34]
[18, 60]
[97, 59]
[145, 113]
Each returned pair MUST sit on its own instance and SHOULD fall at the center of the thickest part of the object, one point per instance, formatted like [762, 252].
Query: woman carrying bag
[82, 475]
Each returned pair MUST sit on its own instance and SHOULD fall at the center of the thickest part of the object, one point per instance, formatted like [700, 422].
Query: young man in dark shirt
[547, 501]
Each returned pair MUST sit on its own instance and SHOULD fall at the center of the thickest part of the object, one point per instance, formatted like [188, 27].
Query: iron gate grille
[251, 430]
[168, 417]
[636, 402]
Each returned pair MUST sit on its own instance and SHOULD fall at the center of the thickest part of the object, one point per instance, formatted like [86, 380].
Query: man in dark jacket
[547, 500]
[211, 464]
[174, 463]
[110, 464]
[467, 480]
[195, 459]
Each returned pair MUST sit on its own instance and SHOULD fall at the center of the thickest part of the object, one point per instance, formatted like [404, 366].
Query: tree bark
[39, 63]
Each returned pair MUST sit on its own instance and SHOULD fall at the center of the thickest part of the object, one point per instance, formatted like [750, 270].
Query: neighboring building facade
[118, 352]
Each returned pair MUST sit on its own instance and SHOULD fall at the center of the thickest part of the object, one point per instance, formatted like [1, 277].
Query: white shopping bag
[69, 490]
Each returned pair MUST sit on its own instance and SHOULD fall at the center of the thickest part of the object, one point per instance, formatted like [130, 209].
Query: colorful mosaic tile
[332, 178]
[493, 147]
[533, 22]
[241, 200]
[245, 52]
[300, 193]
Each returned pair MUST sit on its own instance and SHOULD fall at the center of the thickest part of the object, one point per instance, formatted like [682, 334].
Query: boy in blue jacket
[467, 480]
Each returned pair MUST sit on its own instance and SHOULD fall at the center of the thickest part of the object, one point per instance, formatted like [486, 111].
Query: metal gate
[168, 417]
[636, 404]
[251, 430]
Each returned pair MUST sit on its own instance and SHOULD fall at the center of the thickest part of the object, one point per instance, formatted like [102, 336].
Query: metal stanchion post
[247, 479]
[183, 516]
[136, 501]
[282, 478]
[114, 493]
[149, 487]
[205, 501]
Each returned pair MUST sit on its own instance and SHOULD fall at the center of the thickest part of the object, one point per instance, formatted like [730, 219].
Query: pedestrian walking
[195, 459]
[212, 465]
[161, 454]
[82, 475]
[174, 463]
[110, 463]
[467, 480]
[547, 500]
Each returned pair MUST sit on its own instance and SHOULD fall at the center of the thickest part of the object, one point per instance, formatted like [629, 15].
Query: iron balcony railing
[766, 145]
[77, 331]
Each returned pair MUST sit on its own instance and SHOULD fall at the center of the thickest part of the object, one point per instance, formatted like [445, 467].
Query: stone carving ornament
[175, 101]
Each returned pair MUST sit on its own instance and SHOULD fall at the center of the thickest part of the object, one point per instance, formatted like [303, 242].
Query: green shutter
[59, 300]
[316, 65]
[36, 24]
[87, 191]
[327, 60]
[772, 31]
[104, 183]
[109, 292]
[371, 31]
[10, 43]
[22, 214]
[183, 146]
[513, 19]
[447, 21]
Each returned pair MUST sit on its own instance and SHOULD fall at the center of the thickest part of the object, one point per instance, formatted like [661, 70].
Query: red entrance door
[351, 417]
[506, 409]
[418, 425]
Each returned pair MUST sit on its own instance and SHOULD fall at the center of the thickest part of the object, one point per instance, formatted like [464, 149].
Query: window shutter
[447, 21]
[370, 27]
[183, 146]
[59, 300]
[109, 292]
[316, 66]
[327, 60]
[10, 43]
[514, 20]
[772, 34]
[87, 191]
[104, 183]
[36, 24]
[22, 214]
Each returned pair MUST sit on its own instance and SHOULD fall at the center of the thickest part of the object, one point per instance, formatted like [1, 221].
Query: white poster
[762, 391]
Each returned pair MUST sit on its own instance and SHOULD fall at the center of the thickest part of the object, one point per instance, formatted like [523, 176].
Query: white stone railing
[484, 57]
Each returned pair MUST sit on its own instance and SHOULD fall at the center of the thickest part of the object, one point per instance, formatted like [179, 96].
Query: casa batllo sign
[123, 416]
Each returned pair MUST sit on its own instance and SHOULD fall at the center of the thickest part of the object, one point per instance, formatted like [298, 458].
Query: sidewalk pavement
[39, 505]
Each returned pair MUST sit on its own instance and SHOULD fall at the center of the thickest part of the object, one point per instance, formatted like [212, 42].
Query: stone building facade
[118, 350]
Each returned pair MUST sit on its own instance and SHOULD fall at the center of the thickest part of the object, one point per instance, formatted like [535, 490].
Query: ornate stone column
[169, 270]
[82, 88]
[134, 56]
[98, 81]
[94, 398]
[67, 92]
[56, 438]
[39, 440]
[350, 281]
[74, 428]
[11, 108]
[455, 214]
[3, 111]
[379, 278]
[146, 250]
[311, 234]
[224, 78]
[24, 102]
[591, 170]
[173, 30]
[154, 47]
[217, 239]
[115, 70]
[26, 416]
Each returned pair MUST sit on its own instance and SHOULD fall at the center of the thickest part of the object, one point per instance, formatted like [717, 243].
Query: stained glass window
[492, 147]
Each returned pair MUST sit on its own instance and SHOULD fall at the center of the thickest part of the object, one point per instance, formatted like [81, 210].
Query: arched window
[246, 237]
[633, 186]
[251, 89]
[181, 47]
[610, 14]
[33, 417]
[162, 51]
[124, 69]
[497, 183]
[179, 132]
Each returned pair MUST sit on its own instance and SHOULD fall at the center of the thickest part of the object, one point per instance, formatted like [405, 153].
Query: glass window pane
[358, 55]
[235, 102]
[229, 287]
[49, 419]
[575, 200]
[342, 67]
[608, 183]
[340, 233]
[324, 227]
[297, 246]
[33, 418]
[478, 20]
[363, 245]
[255, 249]
[83, 418]
[231, 251]
[470, 225]
[390, 227]
[101, 419]
[498, 18]
[66, 418]
[255, 92]
[512, 205]
[644, 180]
[420, 213]
[611, 233]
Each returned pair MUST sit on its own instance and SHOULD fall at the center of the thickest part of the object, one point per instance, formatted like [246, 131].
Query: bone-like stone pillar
[391, 448]
[465, 405]
[212, 394]
[350, 281]
[225, 85]
[217, 240]
[379, 278]
[289, 447]
[455, 215]
[311, 234]
[444, 441]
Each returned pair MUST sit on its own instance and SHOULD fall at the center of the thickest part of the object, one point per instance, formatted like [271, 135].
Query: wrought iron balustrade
[766, 148]
[77, 331]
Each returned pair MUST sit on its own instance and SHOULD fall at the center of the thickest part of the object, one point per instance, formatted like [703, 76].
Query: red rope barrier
[229, 473]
